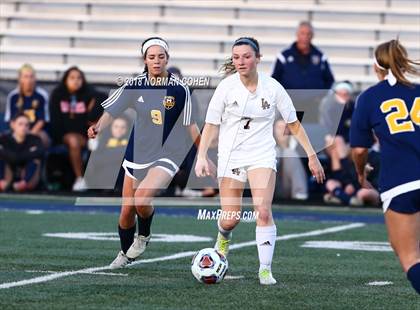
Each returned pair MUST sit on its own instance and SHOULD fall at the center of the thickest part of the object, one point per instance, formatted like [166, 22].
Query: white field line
[228, 277]
[91, 270]
[380, 283]
[35, 212]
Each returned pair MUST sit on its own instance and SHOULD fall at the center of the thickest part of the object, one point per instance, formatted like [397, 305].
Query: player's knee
[141, 201]
[143, 197]
[228, 224]
[144, 210]
[264, 215]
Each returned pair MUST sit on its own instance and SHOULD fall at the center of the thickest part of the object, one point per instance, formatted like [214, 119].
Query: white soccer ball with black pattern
[209, 266]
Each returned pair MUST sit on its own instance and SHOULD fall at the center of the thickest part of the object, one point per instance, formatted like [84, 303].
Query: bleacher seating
[103, 37]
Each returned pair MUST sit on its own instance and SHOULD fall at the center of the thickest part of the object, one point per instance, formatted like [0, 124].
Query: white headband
[392, 80]
[151, 42]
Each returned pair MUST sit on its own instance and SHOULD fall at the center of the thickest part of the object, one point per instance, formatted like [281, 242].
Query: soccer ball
[209, 266]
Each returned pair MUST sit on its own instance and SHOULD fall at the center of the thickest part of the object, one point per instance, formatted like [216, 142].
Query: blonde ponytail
[392, 55]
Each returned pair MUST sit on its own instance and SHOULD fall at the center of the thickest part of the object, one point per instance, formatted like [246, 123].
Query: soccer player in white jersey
[244, 106]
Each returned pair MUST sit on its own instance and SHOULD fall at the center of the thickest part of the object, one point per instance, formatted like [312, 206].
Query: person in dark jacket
[21, 154]
[302, 65]
[72, 104]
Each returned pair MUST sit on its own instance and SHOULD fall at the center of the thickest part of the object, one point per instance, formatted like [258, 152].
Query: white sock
[266, 241]
[225, 233]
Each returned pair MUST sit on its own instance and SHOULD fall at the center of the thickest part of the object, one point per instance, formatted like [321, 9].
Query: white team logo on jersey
[140, 99]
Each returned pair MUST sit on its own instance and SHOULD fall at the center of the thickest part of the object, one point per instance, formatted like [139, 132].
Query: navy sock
[341, 194]
[144, 224]
[413, 275]
[126, 237]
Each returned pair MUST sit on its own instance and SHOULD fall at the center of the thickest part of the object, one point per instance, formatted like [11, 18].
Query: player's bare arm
[315, 167]
[203, 167]
[360, 156]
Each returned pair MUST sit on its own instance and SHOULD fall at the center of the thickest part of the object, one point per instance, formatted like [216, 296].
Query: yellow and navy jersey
[35, 106]
[162, 114]
[393, 114]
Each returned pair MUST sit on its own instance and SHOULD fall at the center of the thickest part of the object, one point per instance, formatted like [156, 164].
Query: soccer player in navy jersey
[391, 110]
[159, 142]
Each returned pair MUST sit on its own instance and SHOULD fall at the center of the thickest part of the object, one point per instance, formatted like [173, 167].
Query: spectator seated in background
[342, 185]
[302, 65]
[31, 100]
[343, 188]
[108, 152]
[22, 154]
[73, 109]
[291, 177]
[339, 101]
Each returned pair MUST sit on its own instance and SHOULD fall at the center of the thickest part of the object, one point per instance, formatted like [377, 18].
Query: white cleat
[120, 261]
[138, 246]
[266, 277]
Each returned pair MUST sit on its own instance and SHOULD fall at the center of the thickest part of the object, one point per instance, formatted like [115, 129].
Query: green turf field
[309, 278]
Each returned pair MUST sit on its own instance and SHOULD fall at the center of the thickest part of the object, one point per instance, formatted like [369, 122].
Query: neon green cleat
[222, 244]
[266, 277]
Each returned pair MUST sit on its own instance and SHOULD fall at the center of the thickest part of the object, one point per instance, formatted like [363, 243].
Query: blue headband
[248, 42]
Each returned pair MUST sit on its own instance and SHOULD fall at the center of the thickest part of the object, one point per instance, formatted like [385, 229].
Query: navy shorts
[408, 203]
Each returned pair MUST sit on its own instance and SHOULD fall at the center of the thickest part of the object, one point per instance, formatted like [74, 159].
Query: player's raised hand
[316, 168]
[202, 167]
[92, 132]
